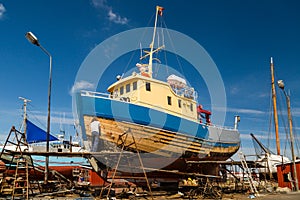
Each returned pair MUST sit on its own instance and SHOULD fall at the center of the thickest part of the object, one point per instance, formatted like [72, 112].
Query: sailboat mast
[275, 107]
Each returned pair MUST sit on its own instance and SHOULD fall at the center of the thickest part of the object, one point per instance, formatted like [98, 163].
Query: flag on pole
[160, 10]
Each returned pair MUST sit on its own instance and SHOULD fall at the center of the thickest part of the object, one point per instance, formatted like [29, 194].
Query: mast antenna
[25, 101]
[159, 10]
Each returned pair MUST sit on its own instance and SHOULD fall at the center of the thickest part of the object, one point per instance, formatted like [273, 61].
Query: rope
[284, 124]
[270, 119]
[295, 134]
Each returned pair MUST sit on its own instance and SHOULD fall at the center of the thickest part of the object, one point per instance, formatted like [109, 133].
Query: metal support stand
[126, 134]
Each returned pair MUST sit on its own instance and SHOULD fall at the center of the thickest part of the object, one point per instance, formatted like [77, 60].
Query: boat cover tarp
[35, 134]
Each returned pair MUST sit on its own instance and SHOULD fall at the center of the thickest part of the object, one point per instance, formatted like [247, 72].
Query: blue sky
[240, 36]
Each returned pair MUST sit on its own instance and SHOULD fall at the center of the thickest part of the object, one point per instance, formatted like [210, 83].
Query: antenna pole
[25, 101]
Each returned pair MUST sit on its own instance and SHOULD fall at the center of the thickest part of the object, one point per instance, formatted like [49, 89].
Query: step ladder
[248, 173]
[23, 179]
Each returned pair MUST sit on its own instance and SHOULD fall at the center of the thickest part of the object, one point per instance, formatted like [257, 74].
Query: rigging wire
[160, 38]
[165, 52]
[156, 53]
[271, 113]
[33, 115]
[284, 124]
[176, 54]
[134, 52]
[294, 132]
[296, 141]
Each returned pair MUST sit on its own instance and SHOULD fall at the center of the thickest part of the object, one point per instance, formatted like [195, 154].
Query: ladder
[21, 179]
[248, 173]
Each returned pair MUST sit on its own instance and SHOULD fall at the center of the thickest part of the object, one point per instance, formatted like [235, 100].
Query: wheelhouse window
[121, 90]
[191, 106]
[115, 93]
[169, 100]
[179, 103]
[148, 86]
[127, 88]
[134, 85]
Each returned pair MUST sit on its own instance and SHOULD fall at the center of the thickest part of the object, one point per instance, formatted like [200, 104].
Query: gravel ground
[232, 196]
[268, 196]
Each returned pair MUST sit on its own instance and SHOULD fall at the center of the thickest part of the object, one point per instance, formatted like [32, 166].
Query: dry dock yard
[19, 183]
[20, 178]
[234, 196]
[186, 189]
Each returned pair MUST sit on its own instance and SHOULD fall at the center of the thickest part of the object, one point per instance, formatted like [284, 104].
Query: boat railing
[222, 127]
[107, 95]
[94, 94]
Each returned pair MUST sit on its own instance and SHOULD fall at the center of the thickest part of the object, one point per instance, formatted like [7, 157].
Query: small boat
[160, 119]
[33, 140]
[267, 160]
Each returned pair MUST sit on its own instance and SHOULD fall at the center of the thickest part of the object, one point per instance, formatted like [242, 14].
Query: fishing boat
[160, 119]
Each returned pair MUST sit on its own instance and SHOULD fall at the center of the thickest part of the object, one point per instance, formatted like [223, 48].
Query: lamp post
[288, 102]
[31, 38]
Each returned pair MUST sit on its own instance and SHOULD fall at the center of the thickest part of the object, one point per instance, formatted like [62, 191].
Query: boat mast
[275, 107]
[159, 10]
[25, 101]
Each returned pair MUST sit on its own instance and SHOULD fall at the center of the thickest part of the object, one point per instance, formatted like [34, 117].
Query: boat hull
[164, 141]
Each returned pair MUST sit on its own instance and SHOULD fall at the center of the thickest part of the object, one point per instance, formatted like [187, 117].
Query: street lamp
[288, 102]
[33, 39]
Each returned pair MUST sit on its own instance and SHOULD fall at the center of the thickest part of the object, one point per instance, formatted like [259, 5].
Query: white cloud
[116, 18]
[99, 3]
[244, 110]
[112, 16]
[55, 119]
[2, 10]
[240, 110]
[234, 90]
[82, 85]
[296, 112]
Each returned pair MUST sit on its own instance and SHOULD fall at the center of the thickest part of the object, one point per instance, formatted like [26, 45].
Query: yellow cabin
[172, 97]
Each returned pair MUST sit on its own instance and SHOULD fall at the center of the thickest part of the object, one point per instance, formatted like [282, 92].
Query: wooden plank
[151, 139]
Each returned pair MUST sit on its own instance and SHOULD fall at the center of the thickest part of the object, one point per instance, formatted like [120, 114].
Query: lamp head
[32, 39]
[280, 84]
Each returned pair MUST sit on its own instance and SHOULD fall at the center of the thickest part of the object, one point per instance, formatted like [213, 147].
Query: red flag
[160, 10]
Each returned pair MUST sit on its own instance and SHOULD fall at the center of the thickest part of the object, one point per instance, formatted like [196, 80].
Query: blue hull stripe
[123, 111]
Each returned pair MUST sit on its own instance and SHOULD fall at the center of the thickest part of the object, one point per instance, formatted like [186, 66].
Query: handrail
[108, 96]
[94, 94]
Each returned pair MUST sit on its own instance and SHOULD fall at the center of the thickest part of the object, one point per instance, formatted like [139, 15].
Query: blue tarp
[35, 134]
